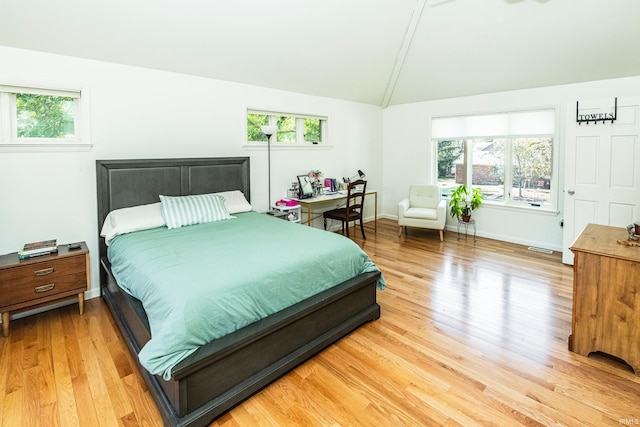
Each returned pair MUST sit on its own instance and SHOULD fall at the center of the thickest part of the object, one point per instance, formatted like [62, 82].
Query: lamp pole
[268, 131]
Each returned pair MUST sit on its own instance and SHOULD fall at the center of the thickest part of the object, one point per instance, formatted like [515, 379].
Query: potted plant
[463, 201]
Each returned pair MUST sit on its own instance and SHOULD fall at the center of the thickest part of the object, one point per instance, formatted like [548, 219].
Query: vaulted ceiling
[381, 52]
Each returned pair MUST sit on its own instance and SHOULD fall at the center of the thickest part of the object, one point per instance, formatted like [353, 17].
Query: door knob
[571, 192]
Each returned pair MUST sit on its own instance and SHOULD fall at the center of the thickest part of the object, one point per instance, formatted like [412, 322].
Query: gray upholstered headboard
[126, 183]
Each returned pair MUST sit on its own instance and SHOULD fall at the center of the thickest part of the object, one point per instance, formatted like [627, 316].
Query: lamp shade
[268, 130]
[359, 175]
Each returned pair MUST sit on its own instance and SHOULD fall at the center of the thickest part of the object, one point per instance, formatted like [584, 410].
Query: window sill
[516, 207]
[540, 210]
[284, 146]
[44, 148]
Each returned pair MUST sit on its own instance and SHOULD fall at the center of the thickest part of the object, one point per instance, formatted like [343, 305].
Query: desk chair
[354, 208]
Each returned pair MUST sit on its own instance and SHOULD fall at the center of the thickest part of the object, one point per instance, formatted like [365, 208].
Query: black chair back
[355, 197]
[354, 208]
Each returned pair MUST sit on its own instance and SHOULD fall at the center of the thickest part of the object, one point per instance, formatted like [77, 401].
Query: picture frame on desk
[306, 188]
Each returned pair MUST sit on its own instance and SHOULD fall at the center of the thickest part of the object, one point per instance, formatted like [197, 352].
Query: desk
[326, 198]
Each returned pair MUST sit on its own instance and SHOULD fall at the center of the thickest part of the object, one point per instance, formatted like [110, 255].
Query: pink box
[287, 202]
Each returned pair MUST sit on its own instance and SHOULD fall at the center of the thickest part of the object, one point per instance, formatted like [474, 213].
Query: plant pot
[466, 218]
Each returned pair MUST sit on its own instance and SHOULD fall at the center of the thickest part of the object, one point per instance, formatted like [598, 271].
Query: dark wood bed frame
[226, 371]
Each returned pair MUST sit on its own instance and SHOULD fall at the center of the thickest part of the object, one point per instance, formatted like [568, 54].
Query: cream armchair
[424, 208]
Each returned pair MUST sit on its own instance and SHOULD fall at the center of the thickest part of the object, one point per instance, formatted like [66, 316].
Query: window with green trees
[39, 116]
[508, 156]
[292, 129]
[44, 116]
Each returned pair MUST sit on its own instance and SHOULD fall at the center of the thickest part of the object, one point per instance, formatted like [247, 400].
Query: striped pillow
[189, 210]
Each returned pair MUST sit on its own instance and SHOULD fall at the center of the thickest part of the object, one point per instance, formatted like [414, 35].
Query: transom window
[291, 128]
[509, 156]
[41, 117]
[45, 116]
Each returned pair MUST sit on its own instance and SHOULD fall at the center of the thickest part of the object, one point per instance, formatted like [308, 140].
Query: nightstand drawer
[33, 281]
[52, 268]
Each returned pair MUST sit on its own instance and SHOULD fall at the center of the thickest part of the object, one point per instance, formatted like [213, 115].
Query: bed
[221, 373]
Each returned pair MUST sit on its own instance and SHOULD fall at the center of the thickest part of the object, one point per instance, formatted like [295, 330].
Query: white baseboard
[500, 237]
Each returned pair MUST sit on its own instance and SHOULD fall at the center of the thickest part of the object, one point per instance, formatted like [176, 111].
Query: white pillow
[127, 220]
[179, 211]
[235, 201]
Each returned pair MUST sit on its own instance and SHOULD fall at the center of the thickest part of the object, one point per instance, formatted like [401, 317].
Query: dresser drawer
[34, 281]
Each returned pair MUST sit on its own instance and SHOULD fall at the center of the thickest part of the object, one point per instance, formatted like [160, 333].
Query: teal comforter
[201, 282]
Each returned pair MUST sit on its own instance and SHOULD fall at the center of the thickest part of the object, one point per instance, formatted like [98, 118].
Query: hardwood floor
[471, 333]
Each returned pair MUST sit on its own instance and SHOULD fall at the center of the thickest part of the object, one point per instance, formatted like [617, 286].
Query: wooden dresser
[606, 295]
[40, 281]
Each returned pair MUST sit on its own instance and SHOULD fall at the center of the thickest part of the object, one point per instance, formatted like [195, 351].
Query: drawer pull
[45, 288]
[44, 271]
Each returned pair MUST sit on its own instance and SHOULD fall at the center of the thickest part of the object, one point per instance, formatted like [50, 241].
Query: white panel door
[602, 175]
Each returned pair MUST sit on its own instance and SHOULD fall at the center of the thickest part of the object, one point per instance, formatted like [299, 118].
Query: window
[292, 129]
[451, 167]
[532, 160]
[44, 116]
[509, 156]
[40, 117]
[488, 167]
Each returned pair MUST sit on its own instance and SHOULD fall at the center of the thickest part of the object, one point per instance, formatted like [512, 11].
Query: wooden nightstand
[40, 281]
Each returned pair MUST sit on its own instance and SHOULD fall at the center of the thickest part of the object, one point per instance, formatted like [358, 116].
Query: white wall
[408, 158]
[142, 113]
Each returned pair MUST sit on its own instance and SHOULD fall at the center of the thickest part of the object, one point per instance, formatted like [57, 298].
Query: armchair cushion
[421, 213]
[424, 196]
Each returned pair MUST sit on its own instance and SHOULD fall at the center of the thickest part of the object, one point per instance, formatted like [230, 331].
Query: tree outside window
[44, 116]
[312, 130]
[450, 153]
[286, 129]
[254, 132]
[532, 166]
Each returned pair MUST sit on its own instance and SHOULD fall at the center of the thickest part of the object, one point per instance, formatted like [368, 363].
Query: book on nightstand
[34, 249]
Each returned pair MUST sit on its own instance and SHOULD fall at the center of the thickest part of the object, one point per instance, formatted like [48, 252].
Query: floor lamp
[268, 131]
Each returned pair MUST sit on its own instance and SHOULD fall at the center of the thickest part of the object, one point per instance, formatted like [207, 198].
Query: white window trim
[300, 143]
[9, 142]
[284, 146]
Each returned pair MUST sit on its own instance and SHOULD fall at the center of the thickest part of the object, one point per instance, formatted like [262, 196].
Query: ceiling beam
[402, 53]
